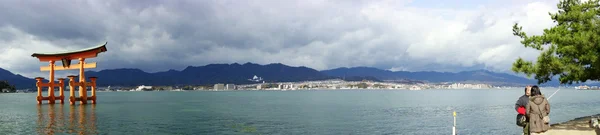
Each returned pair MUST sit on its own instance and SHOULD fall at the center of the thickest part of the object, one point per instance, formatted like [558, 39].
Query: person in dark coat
[520, 108]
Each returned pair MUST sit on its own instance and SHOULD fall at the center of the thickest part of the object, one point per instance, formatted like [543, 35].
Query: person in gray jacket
[520, 108]
[523, 100]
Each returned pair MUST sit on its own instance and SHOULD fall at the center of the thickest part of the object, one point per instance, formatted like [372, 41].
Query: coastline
[577, 126]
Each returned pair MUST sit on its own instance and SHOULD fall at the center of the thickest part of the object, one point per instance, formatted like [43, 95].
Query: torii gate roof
[69, 55]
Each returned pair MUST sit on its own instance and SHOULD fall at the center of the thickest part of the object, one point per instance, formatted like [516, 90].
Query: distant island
[252, 74]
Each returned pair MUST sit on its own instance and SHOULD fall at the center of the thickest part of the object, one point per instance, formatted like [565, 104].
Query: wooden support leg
[61, 82]
[39, 88]
[71, 89]
[51, 97]
[82, 93]
[93, 79]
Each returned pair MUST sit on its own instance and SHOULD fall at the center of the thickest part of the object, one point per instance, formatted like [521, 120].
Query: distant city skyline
[447, 36]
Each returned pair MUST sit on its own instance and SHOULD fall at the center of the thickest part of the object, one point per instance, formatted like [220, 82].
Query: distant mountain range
[430, 76]
[209, 74]
[15, 79]
[242, 73]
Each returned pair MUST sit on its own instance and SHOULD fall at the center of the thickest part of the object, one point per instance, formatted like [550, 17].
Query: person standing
[538, 110]
[521, 110]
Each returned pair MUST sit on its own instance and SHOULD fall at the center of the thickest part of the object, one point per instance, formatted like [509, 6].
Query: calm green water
[286, 112]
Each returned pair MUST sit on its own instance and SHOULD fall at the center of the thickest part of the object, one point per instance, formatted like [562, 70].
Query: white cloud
[15, 53]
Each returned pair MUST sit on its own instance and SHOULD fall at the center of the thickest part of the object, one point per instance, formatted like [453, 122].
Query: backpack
[521, 120]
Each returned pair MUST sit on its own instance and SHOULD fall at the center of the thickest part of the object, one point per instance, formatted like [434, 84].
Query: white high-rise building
[230, 87]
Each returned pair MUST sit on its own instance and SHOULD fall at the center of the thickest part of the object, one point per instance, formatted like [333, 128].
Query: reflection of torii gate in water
[65, 58]
[52, 120]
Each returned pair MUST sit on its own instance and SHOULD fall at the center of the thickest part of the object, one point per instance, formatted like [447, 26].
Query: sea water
[331, 112]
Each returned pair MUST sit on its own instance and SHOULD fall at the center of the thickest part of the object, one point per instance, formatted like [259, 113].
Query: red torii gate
[65, 58]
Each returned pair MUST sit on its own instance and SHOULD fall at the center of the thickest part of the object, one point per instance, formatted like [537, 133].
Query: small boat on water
[585, 87]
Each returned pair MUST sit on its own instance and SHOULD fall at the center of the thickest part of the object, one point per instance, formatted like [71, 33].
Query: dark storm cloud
[160, 35]
[52, 21]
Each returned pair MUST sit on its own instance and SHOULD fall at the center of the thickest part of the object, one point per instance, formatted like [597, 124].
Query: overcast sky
[419, 35]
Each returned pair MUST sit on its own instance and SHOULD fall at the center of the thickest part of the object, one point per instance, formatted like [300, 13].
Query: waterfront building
[143, 88]
[230, 87]
[219, 86]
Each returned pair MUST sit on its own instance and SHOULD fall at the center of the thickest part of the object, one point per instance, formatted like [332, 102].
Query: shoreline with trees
[6, 87]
